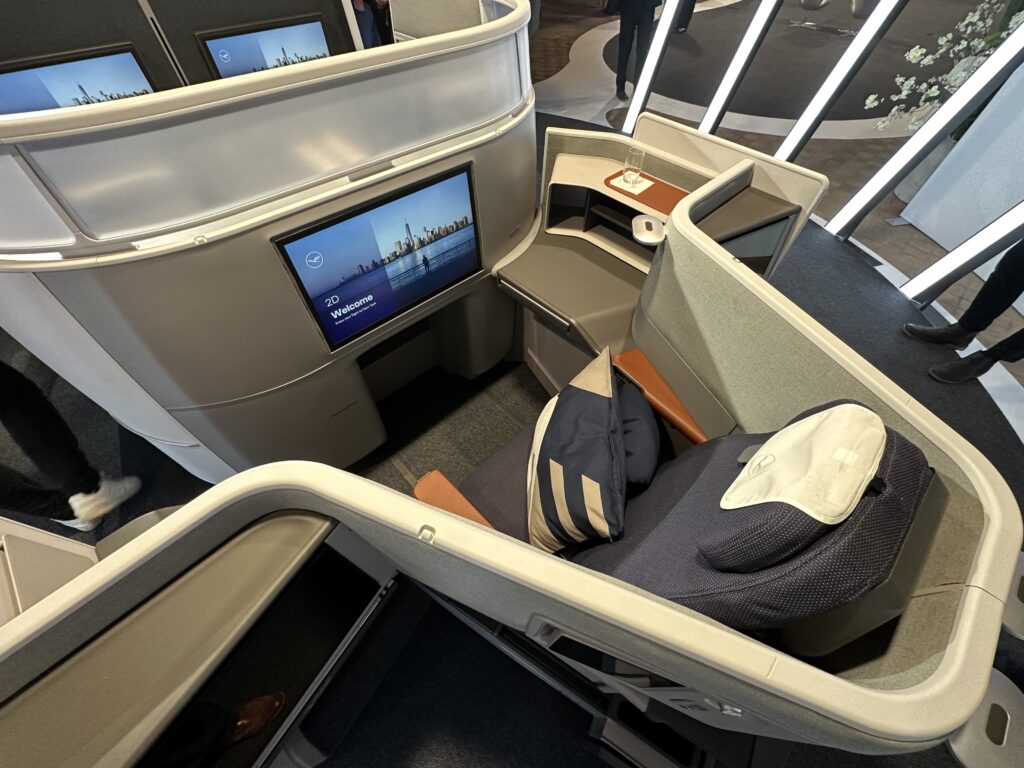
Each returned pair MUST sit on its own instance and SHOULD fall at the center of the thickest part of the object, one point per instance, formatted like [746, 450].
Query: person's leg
[43, 435]
[998, 293]
[1009, 350]
[684, 13]
[20, 494]
[644, 26]
[627, 28]
[38, 429]
[1003, 287]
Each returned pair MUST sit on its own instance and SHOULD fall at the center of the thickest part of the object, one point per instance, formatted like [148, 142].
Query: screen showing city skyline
[363, 268]
[92, 80]
[279, 46]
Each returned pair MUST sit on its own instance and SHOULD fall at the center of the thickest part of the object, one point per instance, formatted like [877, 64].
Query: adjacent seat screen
[360, 269]
[88, 79]
[235, 52]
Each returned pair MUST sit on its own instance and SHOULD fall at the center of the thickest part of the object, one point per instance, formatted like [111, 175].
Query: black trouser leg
[1002, 288]
[43, 435]
[1010, 349]
[19, 494]
[684, 13]
[628, 20]
[644, 26]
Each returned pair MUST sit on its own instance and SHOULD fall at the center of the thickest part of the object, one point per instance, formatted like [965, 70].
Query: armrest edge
[436, 489]
[634, 365]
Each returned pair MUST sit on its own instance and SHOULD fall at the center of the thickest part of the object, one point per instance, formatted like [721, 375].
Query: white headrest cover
[821, 464]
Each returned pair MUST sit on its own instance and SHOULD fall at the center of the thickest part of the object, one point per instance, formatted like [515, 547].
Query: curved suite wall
[135, 239]
[129, 169]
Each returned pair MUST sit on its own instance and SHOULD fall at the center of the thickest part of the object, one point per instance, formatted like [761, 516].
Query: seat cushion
[661, 549]
[497, 488]
[669, 524]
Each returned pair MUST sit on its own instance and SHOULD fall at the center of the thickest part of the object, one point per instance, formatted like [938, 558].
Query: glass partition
[975, 175]
[694, 61]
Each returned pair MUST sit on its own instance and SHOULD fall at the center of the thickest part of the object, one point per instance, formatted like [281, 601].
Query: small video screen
[278, 46]
[72, 83]
[363, 268]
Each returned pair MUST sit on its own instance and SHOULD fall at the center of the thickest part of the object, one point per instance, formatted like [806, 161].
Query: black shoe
[951, 336]
[620, 94]
[680, 30]
[963, 370]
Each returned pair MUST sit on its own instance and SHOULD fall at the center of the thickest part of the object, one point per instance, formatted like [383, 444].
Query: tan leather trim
[661, 196]
[437, 490]
[634, 365]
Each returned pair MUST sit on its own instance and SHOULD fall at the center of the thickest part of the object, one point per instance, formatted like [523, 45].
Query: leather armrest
[634, 365]
[437, 490]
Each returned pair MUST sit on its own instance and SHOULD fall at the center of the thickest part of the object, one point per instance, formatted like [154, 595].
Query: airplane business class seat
[766, 565]
[168, 611]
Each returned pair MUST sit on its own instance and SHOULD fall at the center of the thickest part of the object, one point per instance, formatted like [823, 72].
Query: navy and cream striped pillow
[597, 437]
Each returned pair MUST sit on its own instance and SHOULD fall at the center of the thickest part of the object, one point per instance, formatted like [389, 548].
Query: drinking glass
[632, 166]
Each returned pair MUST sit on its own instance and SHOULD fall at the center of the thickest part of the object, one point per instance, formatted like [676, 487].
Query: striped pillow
[577, 474]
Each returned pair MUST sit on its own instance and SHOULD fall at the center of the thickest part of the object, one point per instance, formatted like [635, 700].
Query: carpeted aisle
[451, 700]
[835, 283]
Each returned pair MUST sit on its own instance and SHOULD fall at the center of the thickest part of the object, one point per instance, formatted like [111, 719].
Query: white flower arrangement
[967, 46]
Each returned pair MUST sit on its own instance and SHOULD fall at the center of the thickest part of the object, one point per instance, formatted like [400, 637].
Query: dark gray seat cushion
[679, 514]
[784, 567]
[498, 486]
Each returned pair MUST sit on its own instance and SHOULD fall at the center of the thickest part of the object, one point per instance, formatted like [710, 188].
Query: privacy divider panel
[181, 20]
[29, 220]
[31, 29]
[171, 172]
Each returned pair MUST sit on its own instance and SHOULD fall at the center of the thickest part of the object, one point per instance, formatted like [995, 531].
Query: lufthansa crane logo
[761, 464]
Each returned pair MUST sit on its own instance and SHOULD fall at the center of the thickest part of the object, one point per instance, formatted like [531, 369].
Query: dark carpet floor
[793, 61]
[449, 699]
[835, 283]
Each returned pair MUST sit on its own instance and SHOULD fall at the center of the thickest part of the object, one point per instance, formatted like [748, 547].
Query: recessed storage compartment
[606, 222]
[279, 658]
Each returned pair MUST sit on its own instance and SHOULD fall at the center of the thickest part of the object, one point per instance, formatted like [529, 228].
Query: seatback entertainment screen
[84, 79]
[267, 47]
[365, 266]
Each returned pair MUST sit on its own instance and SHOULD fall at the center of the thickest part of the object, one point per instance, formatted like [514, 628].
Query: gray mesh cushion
[758, 536]
[666, 526]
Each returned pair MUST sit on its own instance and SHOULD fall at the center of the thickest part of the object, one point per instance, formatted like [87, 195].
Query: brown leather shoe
[253, 716]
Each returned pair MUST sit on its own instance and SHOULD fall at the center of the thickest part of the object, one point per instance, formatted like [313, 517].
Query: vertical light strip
[966, 257]
[968, 97]
[642, 91]
[741, 60]
[848, 65]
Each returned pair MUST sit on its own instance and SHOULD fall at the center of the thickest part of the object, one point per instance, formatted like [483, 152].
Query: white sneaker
[90, 507]
[79, 525]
